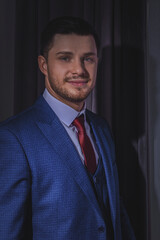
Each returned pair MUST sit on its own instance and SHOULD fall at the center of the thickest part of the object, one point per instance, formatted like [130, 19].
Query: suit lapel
[105, 151]
[57, 136]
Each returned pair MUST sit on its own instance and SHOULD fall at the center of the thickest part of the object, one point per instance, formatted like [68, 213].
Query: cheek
[92, 70]
[58, 72]
[93, 75]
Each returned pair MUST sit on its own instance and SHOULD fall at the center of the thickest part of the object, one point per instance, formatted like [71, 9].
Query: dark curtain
[120, 95]
[129, 112]
[122, 101]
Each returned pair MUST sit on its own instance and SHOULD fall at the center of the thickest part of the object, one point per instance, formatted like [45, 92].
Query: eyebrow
[90, 54]
[64, 52]
[70, 53]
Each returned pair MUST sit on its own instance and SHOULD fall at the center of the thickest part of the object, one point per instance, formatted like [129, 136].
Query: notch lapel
[56, 134]
[107, 158]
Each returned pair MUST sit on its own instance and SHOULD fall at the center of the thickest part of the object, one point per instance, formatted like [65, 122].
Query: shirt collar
[65, 113]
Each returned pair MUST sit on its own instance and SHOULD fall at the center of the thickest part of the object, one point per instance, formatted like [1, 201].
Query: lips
[78, 82]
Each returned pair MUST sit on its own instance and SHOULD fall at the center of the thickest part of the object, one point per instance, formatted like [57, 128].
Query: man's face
[71, 67]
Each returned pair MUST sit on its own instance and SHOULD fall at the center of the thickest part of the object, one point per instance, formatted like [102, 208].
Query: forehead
[74, 43]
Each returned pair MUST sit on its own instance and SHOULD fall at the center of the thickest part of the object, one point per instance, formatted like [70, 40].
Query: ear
[42, 63]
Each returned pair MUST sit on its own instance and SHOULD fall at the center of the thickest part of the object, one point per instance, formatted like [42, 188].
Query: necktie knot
[79, 123]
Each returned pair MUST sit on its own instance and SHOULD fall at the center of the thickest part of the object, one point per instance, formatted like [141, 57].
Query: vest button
[101, 229]
[95, 179]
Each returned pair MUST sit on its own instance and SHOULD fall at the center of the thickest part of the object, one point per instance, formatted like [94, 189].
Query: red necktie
[86, 145]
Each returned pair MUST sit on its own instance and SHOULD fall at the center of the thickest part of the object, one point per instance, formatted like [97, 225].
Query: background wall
[7, 43]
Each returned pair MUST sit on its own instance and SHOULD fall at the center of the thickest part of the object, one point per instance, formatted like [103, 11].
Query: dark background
[126, 85]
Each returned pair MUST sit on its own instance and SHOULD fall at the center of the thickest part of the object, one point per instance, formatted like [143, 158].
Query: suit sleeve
[14, 189]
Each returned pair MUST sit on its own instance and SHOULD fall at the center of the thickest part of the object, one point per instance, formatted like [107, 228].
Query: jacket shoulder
[39, 111]
[19, 119]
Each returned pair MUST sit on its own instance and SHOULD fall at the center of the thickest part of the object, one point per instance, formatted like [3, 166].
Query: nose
[78, 67]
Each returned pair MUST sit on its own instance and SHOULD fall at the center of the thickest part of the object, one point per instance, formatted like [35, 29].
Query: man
[58, 177]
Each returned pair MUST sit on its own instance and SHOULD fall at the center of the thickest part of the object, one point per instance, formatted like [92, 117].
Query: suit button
[101, 229]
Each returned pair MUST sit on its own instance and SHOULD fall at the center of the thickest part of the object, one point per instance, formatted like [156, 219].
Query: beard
[70, 94]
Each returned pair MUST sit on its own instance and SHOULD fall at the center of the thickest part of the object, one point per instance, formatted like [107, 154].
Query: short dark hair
[65, 25]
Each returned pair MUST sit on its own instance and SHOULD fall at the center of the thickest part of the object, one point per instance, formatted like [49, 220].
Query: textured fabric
[87, 149]
[99, 184]
[41, 174]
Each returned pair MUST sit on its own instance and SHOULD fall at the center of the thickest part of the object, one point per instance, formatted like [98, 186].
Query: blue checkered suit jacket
[45, 192]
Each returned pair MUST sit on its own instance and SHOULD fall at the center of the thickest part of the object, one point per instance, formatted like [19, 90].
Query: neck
[78, 106]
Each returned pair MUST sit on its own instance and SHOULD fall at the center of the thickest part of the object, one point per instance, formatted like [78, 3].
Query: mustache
[80, 77]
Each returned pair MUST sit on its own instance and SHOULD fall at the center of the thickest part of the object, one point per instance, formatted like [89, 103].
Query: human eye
[65, 58]
[89, 59]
